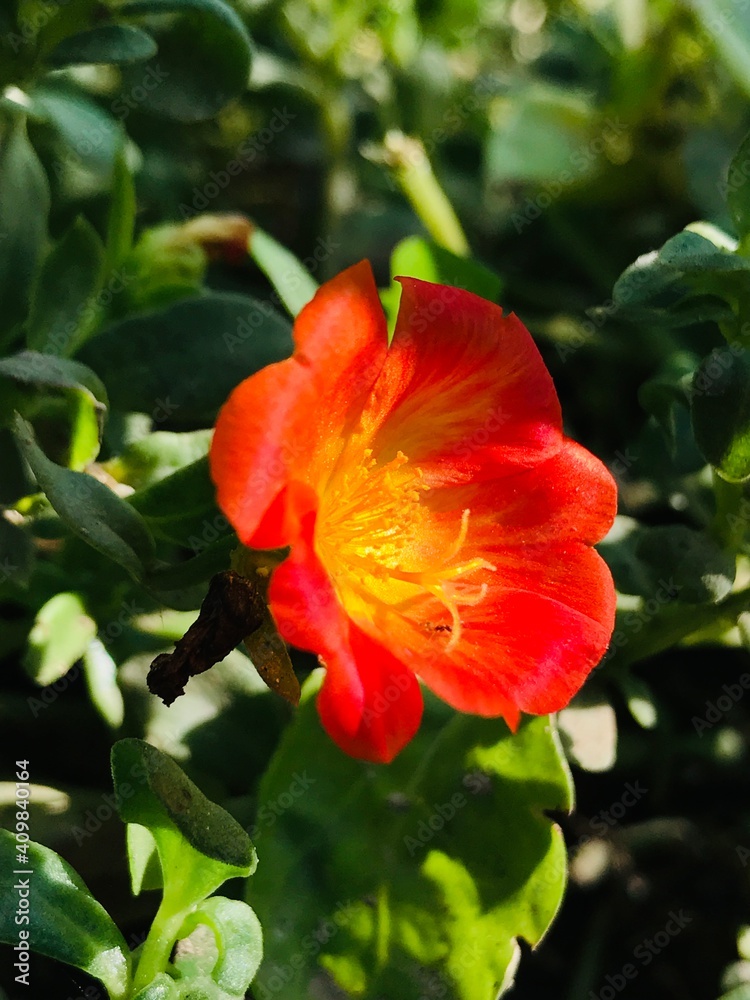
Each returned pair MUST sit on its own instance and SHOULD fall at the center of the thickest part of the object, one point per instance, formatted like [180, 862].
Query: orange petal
[289, 421]
[370, 703]
[543, 623]
[570, 496]
[464, 391]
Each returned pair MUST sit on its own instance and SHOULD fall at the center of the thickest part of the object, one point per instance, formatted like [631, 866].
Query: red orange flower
[439, 523]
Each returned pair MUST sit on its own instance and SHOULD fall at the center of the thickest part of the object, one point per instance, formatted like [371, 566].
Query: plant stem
[157, 948]
[407, 159]
[341, 184]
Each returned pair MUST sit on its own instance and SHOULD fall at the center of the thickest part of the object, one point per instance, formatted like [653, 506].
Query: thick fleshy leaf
[462, 860]
[65, 922]
[239, 942]
[294, 284]
[179, 364]
[689, 273]
[117, 44]
[100, 673]
[61, 635]
[182, 507]
[24, 207]
[121, 218]
[64, 309]
[158, 455]
[34, 383]
[720, 410]
[81, 125]
[89, 508]
[202, 63]
[200, 845]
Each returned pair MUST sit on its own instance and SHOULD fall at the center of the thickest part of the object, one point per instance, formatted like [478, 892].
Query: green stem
[340, 187]
[407, 158]
[157, 948]
[674, 625]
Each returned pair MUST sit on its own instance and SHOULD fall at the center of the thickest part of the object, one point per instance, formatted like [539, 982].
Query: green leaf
[691, 563]
[118, 44]
[667, 563]
[725, 23]
[100, 672]
[29, 381]
[88, 508]
[64, 309]
[461, 859]
[163, 987]
[65, 921]
[239, 939]
[160, 454]
[543, 134]
[45, 371]
[61, 635]
[181, 363]
[90, 136]
[182, 507]
[720, 410]
[24, 208]
[200, 845]
[669, 389]
[293, 282]
[143, 859]
[202, 63]
[738, 186]
[122, 212]
[688, 265]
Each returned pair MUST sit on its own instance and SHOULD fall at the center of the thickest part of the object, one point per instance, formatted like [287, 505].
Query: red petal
[570, 496]
[290, 420]
[392, 707]
[529, 644]
[464, 392]
[370, 703]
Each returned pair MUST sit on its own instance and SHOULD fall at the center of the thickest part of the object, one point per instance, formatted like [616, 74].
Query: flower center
[384, 550]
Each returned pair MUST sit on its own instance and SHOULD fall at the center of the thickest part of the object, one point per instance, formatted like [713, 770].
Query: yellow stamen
[373, 527]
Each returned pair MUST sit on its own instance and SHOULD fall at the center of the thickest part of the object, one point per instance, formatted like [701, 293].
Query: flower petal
[289, 421]
[370, 703]
[543, 623]
[392, 707]
[464, 392]
[570, 496]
